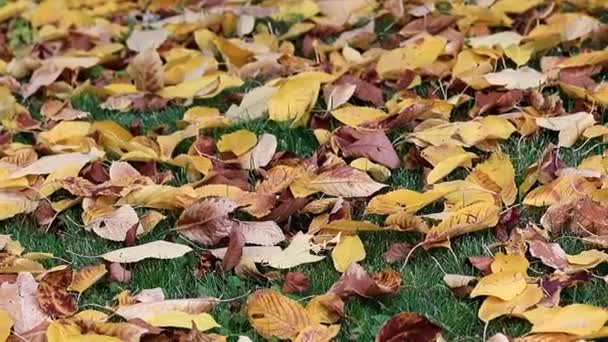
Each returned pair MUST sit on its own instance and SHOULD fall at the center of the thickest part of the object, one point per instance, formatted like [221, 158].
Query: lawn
[423, 289]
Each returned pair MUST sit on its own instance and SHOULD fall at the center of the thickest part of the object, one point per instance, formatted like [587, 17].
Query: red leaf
[410, 327]
[295, 282]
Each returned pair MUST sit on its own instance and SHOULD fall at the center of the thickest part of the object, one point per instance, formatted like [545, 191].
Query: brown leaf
[295, 282]
[356, 281]
[409, 326]
[147, 71]
[397, 252]
[207, 221]
[235, 250]
[373, 145]
[53, 296]
[19, 300]
[583, 217]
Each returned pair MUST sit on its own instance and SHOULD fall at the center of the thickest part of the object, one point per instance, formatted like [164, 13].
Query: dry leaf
[273, 315]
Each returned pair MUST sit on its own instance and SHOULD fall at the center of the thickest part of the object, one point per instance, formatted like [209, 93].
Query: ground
[423, 290]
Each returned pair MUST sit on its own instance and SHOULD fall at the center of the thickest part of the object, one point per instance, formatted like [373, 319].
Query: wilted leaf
[295, 282]
[179, 319]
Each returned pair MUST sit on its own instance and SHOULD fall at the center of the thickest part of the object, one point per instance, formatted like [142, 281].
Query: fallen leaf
[355, 280]
[398, 251]
[523, 78]
[87, 277]
[53, 296]
[295, 282]
[567, 319]
[346, 182]
[19, 300]
[349, 250]
[115, 224]
[179, 319]
[155, 250]
[409, 326]
[503, 285]
[274, 315]
[326, 308]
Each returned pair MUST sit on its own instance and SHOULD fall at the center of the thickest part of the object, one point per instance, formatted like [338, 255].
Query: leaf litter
[366, 96]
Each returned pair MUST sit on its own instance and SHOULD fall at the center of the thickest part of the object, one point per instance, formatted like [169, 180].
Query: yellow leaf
[560, 189]
[62, 331]
[294, 100]
[354, 116]
[274, 315]
[86, 277]
[178, 319]
[589, 258]
[515, 6]
[575, 319]
[446, 166]
[11, 9]
[406, 222]
[520, 54]
[63, 131]
[493, 307]
[465, 220]
[510, 263]
[325, 308]
[6, 323]
[120, 88]
[292, 11]
[417, 52]
[350, 249]
[503, 285]
[378, 172]
[238, 142]
[569, 126]
[585, 58]
[497, 175]
[402, 200]
[318, 333]
[91, 315]
[191, 88]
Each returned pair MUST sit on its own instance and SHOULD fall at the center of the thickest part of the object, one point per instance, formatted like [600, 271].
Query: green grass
[423, 290]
